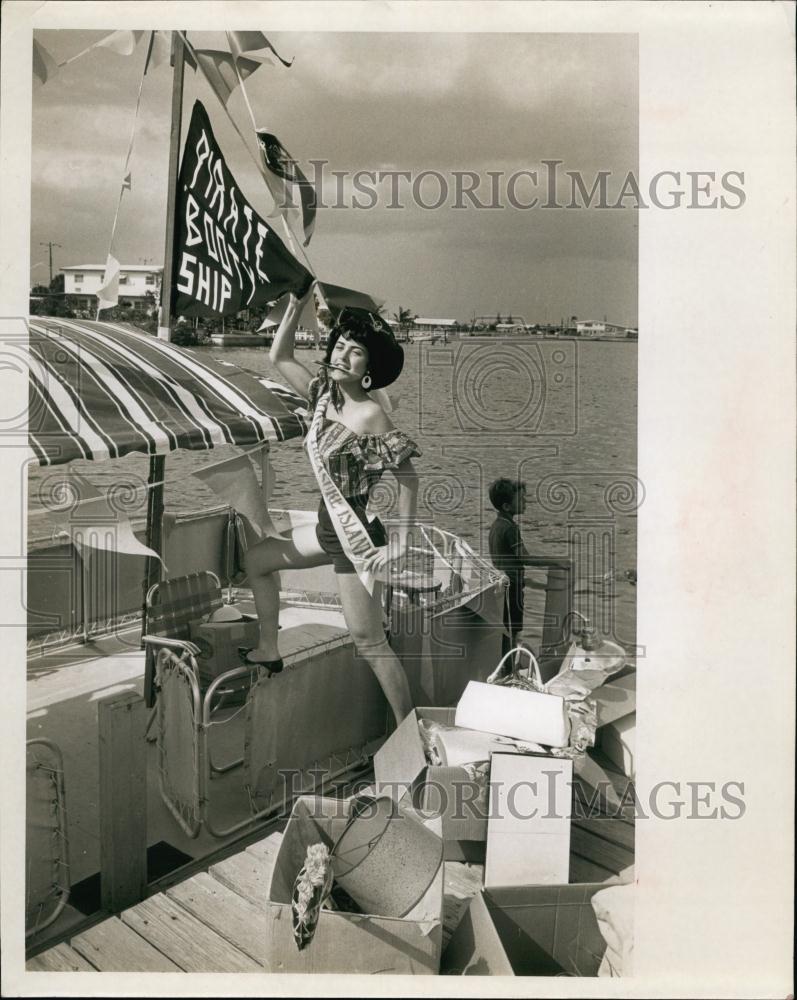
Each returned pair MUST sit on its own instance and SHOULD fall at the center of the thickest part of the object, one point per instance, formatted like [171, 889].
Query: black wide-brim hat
[385, 354]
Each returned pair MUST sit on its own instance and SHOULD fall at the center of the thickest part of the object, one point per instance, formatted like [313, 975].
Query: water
[560, 415]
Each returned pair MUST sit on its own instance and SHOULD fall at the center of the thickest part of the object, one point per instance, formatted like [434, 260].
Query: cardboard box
[345, 942]
[617, 742]
[218, 644]
[528, 830]
[400, 768]
[528, 931]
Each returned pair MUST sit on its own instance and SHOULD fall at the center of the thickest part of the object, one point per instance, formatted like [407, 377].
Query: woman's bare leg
[363, 615]
[299, 550]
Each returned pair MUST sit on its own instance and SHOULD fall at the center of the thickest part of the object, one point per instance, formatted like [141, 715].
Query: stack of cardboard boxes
[528, 919]
[511, 813]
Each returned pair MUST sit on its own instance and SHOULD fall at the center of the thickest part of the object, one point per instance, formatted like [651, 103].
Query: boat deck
[205, 911]
[63, 691]
[214, 921]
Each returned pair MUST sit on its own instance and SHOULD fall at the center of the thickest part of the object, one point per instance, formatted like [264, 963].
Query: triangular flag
[284, 179]
[108, 292]
[91, 521]
[246, 42]
[188, 55]
[160, 50]
[121, 42]
[337, 297]
[219, 71]
[44, 66]
[234, 482]
[127, 183]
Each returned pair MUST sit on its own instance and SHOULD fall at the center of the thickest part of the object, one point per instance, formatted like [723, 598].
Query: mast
[157, 463]
[178, 62]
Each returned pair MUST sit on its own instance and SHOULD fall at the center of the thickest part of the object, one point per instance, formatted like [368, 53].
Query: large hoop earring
[365, 381]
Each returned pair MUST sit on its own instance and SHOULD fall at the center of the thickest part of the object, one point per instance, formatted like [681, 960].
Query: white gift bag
[526, 715]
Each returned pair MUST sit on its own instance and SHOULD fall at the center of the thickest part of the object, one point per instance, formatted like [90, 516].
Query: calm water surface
[561, 415]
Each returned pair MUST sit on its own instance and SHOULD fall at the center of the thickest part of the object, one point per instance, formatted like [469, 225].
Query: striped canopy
[103, 390]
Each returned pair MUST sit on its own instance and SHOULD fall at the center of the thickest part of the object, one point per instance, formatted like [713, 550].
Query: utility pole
[50, 245]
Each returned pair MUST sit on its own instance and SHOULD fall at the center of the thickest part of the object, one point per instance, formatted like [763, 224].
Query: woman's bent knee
[261, 559]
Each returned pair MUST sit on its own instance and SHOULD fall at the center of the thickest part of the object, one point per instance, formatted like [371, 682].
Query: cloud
[382, 65]
[411, 101]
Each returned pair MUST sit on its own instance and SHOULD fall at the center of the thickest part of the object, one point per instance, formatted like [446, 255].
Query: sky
[381, 102]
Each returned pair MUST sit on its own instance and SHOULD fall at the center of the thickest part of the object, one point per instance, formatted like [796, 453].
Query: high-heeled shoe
[273, 666]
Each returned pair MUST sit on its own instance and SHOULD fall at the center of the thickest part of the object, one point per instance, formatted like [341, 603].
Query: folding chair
[47, 882]
[171, 607]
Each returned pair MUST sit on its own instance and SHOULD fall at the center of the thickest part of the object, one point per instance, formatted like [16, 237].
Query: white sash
[348, 527]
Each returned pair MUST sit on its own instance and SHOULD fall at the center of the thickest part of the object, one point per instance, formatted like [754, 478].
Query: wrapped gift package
[615, 699]
[401, 768]
[468, 746]
[524, 715]
[614, 911]
[354, 942]
[617, 741]
[547, 930]
[597, 770]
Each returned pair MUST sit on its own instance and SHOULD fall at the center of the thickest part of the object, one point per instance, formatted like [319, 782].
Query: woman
[355, 442]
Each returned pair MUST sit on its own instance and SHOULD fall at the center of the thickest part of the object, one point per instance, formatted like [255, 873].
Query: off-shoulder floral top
[356, 461]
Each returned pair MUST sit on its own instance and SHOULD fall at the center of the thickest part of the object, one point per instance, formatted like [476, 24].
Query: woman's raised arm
[282, 353]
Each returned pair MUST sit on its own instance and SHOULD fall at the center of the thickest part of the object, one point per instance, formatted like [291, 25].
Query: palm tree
[404, 318]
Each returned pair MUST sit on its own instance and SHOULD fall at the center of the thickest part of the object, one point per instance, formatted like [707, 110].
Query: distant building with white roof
[423, 324]
[83, 281]
[594, 328]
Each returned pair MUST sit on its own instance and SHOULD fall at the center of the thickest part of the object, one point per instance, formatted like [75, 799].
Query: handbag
[515, 706]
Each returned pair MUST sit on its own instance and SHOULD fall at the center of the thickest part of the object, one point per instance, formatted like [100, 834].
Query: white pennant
[233, 481]
[91, 521]
[108, 292]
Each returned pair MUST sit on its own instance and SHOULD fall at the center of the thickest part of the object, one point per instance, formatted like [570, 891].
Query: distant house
[510, 328]
[424, 324]
[83, 281]
[595, 328]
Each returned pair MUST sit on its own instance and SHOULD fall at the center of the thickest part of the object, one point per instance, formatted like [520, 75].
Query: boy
[509, 554]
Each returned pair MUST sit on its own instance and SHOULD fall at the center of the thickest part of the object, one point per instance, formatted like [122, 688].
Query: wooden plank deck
[112, 946]
[215, 921]
[61, 958]
[185, 939]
